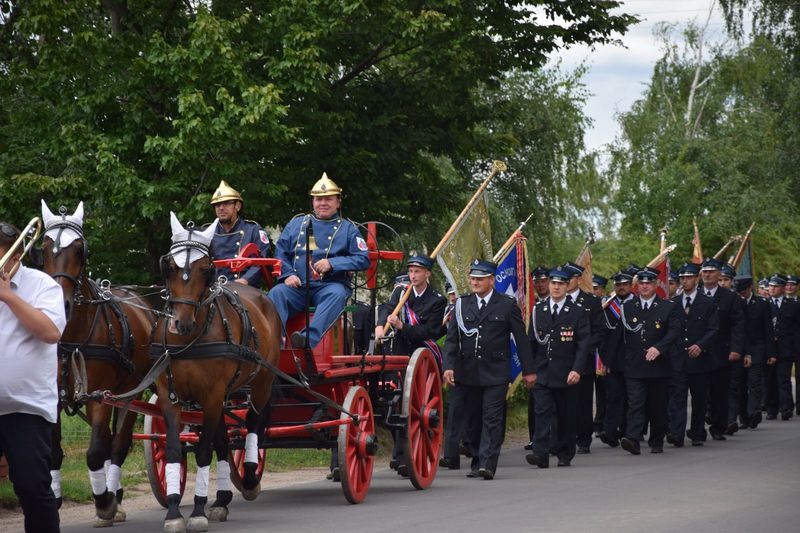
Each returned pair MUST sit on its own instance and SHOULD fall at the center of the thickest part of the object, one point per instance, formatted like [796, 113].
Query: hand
[652, 353]
[694, 351]
[573, 377]
[293, 281]
[323, 266]
[772, 360]
[378, 332]
[734, 356]
[5, 286]
[748, 361]
[242, 281]
[449, 377]
[530, 380]
[395, 322]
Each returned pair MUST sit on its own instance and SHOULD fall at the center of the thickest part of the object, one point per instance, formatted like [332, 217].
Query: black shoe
[755, 420]
[610, 441]
[786, 415]
[582, 450]
[771, 416]
[486, 474]
[394, 463]
[334, 475]
[444, 462]
[402, 470]
[535, 460]
[697, 442]
[718, 436]
[463, 449]
[631, 446]
[564, 462]
[298, 340]
[733, 427]
[528, 447]
[798, 411]
[473, 474]
[658, 448]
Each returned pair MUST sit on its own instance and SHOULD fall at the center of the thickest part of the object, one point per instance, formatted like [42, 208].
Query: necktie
[569, 298]
[482, 305]
[646, 306]
[708, 293]
[688, 305]
[776, 303]
[555, 310]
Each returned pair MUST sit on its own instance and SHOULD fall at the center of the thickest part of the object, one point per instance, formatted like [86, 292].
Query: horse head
[188, 273]
[65, 251]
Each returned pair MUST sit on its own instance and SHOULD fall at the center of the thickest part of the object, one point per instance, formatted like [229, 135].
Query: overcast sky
[617, 75]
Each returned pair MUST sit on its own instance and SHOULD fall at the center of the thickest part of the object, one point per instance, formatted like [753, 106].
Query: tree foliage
[139, 108]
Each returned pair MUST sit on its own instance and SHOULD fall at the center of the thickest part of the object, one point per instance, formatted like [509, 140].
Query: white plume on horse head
[180, 234]
[65, 234]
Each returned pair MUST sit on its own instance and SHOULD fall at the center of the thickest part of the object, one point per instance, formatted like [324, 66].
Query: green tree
[141, 108]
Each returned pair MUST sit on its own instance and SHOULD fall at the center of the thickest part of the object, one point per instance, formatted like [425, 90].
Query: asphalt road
[749, 483]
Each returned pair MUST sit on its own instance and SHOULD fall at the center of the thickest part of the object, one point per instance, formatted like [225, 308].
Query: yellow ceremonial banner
[471, 240]
[584, 259]
[697, 249]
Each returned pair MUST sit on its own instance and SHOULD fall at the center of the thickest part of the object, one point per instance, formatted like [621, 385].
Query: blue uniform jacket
[228, 244]
[336, 239]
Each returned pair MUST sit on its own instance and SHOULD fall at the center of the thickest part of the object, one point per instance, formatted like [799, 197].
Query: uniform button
[326, 249]
[329, 237]
[235, 255]
[301, 233]
[241, 232]
[237, 243]
[480, 327]
[299, 245]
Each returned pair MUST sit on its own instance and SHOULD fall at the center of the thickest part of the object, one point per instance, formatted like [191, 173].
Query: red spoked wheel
[357, 445]
[422, 409]
[155, 458]
[236, 460]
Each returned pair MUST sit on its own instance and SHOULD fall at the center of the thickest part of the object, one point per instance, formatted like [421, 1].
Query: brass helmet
[224, 193]
[325, 187]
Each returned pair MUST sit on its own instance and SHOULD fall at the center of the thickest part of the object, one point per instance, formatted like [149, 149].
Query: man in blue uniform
[234, 233]
[318, 252]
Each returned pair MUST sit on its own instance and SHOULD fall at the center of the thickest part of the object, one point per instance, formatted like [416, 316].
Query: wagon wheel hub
[430, 418]
[367, 444]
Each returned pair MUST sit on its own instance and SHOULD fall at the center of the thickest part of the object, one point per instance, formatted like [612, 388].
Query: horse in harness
[217, 337]
[104, 346]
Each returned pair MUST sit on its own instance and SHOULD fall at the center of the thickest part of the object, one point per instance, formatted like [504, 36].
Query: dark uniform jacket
[484, 357]
[612, 351]
[759, 338]
[730, 335]
[429, 308]
[785, 324]
[660, 327]
[562, 344]
[228, 245]
[593, 308]
[698, 327]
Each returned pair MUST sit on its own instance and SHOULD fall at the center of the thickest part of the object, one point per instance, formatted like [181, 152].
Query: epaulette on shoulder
[437, 294]
[507, 296]
[206, 225]
[252, 222]
[299, 215]
[467, 295]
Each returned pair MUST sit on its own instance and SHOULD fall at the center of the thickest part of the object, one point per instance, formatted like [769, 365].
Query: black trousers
[25, 440]
[680, 384]
[585, 414]
[797, 382]
[719, 392]
[599, 402]
[555, 407]
[771, 402]
[616, 402]
[455, 428]
[755, 389]
[737, 392]
[531, 414]
[647, 402]
[784, 371]
[485, 418]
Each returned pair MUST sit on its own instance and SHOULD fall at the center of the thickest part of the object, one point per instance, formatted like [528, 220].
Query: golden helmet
[224, 193]
[325, 187]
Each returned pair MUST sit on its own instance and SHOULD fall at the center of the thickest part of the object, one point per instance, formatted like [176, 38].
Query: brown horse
[112, 336]
[218, 337]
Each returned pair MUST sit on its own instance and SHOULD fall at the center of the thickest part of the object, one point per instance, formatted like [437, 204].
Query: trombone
[27, 237]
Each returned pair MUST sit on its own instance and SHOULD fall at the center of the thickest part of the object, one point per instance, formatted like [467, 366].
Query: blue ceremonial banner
[745, 267]
[511, 279]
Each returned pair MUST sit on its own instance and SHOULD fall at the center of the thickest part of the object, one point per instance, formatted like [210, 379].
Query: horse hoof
[217, 514]
[197, 523]
[174, 525]
[251, 494]
[121, 516]
[100, 522]
[109, 512]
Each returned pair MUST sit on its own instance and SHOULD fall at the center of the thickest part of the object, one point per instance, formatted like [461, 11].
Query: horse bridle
[188, 245]
[62, 225]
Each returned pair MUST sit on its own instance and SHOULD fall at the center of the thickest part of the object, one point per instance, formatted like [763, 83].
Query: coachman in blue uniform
[319, 251]
[234, 233]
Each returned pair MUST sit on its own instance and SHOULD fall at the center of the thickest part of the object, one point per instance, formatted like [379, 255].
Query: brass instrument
[27, 237]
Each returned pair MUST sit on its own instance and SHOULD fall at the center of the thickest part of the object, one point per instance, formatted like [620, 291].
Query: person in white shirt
[32, 319]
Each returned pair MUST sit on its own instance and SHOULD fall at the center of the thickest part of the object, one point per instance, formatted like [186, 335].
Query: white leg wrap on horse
[112, 478]
[173, 473]
[106, 465]
[251, 448]
[201, 481]
[55, 483]
[223, 475]
[98, 480]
